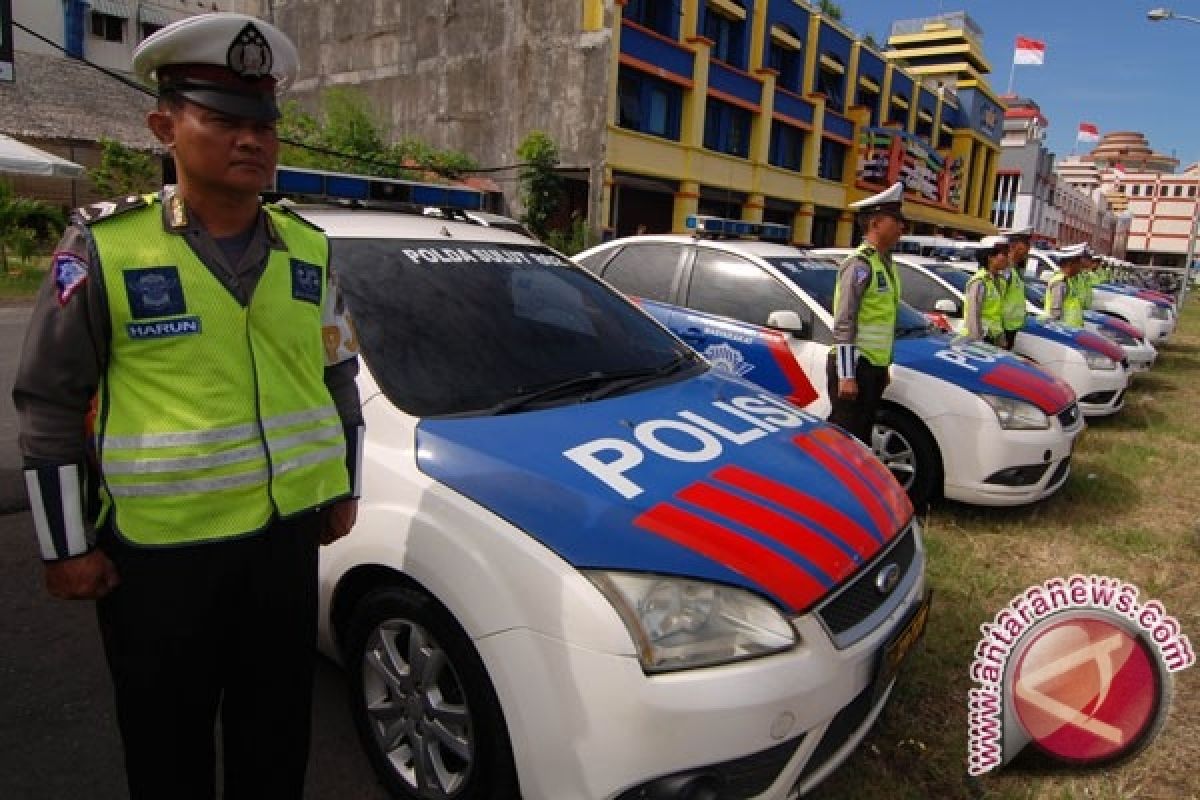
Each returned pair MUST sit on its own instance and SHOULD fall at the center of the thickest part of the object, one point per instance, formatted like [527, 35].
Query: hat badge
[250, 55]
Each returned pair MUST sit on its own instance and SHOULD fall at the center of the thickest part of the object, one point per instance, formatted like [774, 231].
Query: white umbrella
[18, 157]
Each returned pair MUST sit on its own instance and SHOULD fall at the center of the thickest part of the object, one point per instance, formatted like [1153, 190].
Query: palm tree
[830, 9]
[23, 221]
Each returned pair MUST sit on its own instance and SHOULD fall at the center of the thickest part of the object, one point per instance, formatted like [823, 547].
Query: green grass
[1131, 509]
[22, 280]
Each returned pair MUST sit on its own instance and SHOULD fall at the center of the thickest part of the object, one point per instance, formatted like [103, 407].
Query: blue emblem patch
[69, 274]
[860, 275]
[183, 326]
[306, 282]
[154, 292]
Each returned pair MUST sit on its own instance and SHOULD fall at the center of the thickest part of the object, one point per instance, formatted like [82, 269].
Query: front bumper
[590, 724]
[988, 466]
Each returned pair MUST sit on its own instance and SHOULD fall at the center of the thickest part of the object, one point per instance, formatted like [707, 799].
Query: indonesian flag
[1088, 132]
[1118, 173]
[1029, 51]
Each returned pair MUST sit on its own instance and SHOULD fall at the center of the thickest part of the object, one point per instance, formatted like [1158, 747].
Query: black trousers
[858, 415]
[229, 626]
[1010, 338]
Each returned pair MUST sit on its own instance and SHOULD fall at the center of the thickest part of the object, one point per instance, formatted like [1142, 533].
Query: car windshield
[818, 281]
[480, 327]
[1035, 292]
[953, 275]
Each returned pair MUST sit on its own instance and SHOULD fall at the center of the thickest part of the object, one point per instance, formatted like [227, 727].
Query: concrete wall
[470, 75]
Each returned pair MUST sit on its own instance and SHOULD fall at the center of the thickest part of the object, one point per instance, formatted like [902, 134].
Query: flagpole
[1012, 72]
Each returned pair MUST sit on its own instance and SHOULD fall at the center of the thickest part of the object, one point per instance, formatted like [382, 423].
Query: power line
[442, 171]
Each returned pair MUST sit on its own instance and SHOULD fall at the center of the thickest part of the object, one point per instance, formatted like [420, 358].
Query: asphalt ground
[58, 729]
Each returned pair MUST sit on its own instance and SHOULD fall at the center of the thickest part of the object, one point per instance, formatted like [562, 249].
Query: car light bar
[718, 226]
[315, 184]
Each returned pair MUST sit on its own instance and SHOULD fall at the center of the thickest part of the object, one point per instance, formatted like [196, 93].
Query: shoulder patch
[861, 274]
[106, 209]
[70, 272]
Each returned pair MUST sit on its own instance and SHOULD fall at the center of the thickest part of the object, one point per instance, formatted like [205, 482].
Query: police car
[969, 422]
[586, 564]
[1153, 315]
[1094, 367]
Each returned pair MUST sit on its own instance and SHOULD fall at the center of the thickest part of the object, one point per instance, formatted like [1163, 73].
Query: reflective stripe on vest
[1072, 308]
[876, 320]
[1014, 301]
[992, 315]
[213, 417]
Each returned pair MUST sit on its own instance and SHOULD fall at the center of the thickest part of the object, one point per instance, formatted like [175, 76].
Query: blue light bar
[719, 226]
[315, 184]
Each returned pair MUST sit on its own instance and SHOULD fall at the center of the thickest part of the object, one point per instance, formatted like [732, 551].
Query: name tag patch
[183, 326]
[881, 284]
[154, 292]
[306, 282]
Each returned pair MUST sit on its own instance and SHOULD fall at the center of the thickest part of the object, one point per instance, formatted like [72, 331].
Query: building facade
[754, 109]
[1161, 205]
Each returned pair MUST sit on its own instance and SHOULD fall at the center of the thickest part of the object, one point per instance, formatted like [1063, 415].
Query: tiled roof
[61, 98]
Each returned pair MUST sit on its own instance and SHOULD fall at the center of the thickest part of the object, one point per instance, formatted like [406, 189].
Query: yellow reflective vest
[992, 313]
[213, 417]
[1072, 306]
[1014, 300]
[876, 331]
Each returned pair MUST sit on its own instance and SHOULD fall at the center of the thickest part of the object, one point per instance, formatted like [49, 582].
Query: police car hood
[1077, 338]
[982, 369]
[1148, 295]
[708, 477]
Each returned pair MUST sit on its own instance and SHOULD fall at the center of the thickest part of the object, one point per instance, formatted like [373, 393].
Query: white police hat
[1020, 233]
[1073, 252]
[232, 63]
[890, 201]
[990, 242]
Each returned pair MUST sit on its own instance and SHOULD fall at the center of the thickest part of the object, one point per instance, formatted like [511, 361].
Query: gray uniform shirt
[1057, 292]
[975, 295]
[67, 343]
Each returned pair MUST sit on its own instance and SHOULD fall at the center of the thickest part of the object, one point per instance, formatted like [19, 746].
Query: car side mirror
[946, 306]
[789, 322]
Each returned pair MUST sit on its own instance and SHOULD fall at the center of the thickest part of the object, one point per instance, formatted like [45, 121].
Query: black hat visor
[255, 105]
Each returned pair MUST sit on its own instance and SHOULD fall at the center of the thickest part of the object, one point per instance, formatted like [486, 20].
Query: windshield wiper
[608, 382]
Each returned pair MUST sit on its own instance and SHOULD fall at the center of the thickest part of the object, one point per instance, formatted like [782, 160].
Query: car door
[728, 285]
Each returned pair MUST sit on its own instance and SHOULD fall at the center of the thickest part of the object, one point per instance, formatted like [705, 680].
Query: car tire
[909, 452]
[425, 710]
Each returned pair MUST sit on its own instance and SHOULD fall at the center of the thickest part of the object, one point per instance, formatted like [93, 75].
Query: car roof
[356, 223]
[745, 246]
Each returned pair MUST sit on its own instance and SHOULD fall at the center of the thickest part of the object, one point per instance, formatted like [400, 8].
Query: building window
[869, 99]
[787, 146]
[833, 160]
[108, 27]
[1191, 191]
[1135, 190]
[648, 105]
[786, 62]
[149, 29]
[925, 128]
[898, 113]
[726, 128]
[831, 82]
[659, 16]
[726, 35]
[1163, 189]
[1179, 191]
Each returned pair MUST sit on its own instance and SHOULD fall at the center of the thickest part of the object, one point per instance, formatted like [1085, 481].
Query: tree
[541, 186]
[24, 223]
[124, 171]
[346, 135]
[830, 9]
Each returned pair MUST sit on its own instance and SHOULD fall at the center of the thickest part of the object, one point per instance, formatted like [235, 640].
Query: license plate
[898, 648]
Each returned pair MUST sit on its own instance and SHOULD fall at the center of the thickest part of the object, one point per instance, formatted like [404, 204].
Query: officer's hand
[339, 519]
[847, 388]
[86, 577]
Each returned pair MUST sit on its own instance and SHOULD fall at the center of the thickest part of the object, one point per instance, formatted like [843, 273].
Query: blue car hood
[982, 369]
[708, 477]
[1077, 338]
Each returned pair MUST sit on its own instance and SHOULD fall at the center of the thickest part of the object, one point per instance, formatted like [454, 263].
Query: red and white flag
[1088, 132]
[1029, 51]
[1118, 173]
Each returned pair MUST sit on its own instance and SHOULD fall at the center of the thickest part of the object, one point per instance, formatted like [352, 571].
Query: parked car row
[590, 563]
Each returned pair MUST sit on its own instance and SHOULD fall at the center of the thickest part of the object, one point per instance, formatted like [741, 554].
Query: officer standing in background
[1062, 295]
[1013, 280]
[984, 309]
[864, 315]
[226, 431]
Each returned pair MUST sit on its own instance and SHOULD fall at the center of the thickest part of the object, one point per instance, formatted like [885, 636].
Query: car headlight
[681, 623]
[1016, 415]
[1158, 312]
[1099, 361]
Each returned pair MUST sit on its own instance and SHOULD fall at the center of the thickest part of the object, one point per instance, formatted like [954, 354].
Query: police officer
[984, 310]
[205, 328]
[1063, 302]
[864, 309]
[1013, 280]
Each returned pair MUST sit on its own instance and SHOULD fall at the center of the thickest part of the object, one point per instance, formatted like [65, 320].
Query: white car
[1156, 319]
[1093, 366]
[586, 565]
[971, 423]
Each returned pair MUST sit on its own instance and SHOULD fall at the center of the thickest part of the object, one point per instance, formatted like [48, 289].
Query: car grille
[1069, 416]
[741, 778]
[860, 598]
[843, 726]
[1060, 472]
[1098, 398]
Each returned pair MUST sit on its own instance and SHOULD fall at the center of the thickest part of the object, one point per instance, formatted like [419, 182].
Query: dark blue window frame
[832, 84]
[728, 37]
[648, 105]
[660, 16]
[787, 146]
[833, 160]
[727, 128]
[787, 63]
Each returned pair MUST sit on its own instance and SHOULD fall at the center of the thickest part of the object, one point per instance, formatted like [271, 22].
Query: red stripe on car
[1047, 395]
[884, 483]
[854, 482]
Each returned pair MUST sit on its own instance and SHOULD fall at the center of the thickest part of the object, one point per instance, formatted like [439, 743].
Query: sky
[1106, 63]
